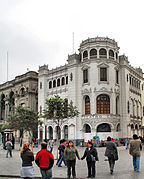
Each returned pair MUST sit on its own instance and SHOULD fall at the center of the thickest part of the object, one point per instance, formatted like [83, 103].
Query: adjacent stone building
[20, 91]
[106, 89]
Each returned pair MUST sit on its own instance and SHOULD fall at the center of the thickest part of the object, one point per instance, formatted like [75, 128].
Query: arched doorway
[87, 128]
[87, 132]
[103, 131]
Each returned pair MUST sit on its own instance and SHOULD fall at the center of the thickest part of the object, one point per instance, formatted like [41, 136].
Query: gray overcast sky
[37, 32]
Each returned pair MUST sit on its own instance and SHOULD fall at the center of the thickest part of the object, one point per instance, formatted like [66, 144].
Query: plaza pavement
[10, 167]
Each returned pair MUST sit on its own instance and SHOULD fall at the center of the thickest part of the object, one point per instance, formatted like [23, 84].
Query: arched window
[85, 54]
[117, 105]
[128, 107]
[54, 83]
[2, 113]
[118, 128]
[22, 91]
[103, 53]
[93, 53]
[66, 132]
[87, 105]
[63, 81]
[87, 128]
[136, 126]
[50, 84]
[66, 80]
[104, 128]
[116, 56]
[58, 132]
[132, 126]
[58, 82]
[12, 99]
[111, 54]
[103, 104]
[50, 132]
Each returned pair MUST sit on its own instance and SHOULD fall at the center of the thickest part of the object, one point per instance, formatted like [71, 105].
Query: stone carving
[86, 91]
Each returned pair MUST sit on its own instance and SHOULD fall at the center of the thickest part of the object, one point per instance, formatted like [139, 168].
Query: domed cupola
[99, 48]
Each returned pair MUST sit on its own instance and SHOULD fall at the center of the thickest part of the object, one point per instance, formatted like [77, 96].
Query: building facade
[23, 90]
[106, 89]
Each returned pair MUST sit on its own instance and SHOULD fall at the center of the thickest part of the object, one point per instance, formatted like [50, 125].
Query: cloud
[25, 50]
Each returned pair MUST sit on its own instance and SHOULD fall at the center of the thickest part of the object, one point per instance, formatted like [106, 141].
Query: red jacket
[44, 159]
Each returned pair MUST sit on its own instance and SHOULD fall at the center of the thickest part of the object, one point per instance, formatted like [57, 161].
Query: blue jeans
[46, 174]
[136, 163]
[62, 159]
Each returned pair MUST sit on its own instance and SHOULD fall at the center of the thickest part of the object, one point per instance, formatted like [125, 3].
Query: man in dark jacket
[91, 157]
[111, 153]
[45, 160]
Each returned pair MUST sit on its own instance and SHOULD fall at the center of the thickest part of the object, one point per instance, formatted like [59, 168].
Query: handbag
[92, 158]
[115, 155]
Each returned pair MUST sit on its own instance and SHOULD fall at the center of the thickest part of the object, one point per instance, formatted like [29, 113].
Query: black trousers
[71, 165]
[91, 168]
[111, 163]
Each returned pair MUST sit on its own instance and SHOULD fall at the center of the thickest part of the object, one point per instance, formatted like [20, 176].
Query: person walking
[45, 160]
[127, 143]
[111, 153]
[91, 158]
[9, 148]
[51, 144]
[134, 150]
[62, 157]
[70, 154]
[27, 157]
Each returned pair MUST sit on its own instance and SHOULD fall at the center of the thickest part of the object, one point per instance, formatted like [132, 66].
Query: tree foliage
[59, 109]
[24, 119]
[4, 126]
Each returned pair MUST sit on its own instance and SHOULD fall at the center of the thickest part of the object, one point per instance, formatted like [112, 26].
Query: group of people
[68, 153]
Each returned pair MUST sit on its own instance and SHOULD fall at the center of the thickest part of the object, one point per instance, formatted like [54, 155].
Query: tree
[24, 119]
[58, 109]
[4, 126]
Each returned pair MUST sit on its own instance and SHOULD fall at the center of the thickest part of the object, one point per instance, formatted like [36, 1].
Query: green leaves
[23, 119]
[58, 108]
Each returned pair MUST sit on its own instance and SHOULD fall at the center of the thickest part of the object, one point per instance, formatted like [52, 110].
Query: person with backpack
[91, 158]
[45, 160]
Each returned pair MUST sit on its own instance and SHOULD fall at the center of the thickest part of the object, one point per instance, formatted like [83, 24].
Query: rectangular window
[103, 74]
[40, 85]
[117, 77]
[85, 76]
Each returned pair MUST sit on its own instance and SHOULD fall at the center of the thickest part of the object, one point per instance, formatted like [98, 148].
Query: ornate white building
[107, 91]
